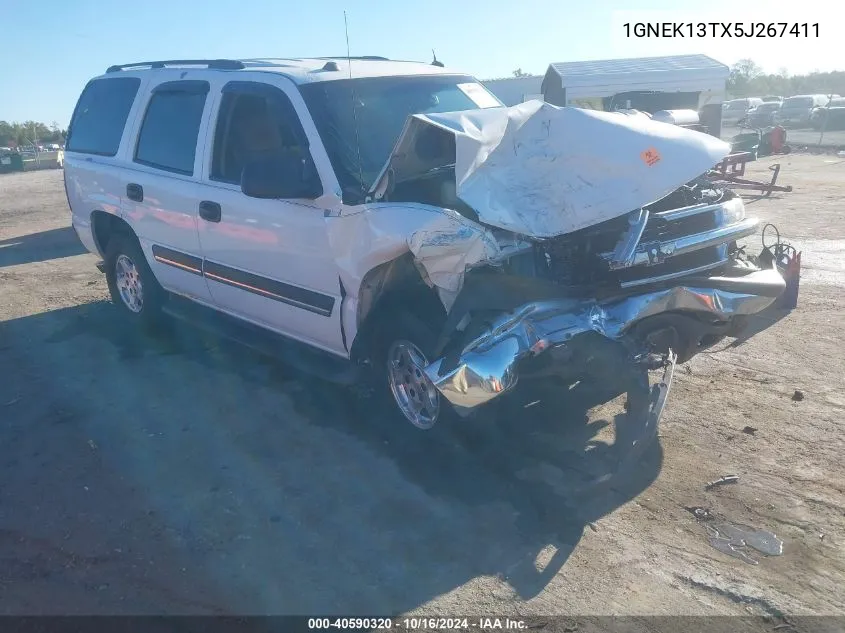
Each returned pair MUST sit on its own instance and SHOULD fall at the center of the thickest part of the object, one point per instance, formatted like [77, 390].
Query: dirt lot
[180, 474]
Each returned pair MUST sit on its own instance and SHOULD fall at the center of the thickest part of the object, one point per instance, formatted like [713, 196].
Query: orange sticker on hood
[650, 156]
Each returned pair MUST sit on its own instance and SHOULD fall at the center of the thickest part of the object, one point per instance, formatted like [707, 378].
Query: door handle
[210, 211]
[135, 192]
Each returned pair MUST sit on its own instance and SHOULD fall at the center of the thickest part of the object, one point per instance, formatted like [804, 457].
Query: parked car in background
[772, 99]
[829, 117]
[736, 110]
[763, 115]
[797, 111]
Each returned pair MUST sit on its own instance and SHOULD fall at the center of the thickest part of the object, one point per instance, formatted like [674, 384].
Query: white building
[514, 90]
[674, 82]
[685, 81]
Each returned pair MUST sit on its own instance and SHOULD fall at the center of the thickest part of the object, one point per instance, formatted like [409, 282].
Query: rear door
[91, 159]
[161, 186]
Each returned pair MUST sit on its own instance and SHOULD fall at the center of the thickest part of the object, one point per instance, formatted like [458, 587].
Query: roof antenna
[435, 62]
[354, 112]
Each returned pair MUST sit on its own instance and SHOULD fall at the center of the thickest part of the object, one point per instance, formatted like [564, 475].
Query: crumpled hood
[541, 170]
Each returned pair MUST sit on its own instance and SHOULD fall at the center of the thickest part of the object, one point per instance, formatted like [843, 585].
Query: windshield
[737, 105]
[798, 102]
[763, 107]
[382, 105]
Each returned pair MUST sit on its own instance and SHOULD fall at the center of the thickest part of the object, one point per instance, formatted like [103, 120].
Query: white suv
[394, 219]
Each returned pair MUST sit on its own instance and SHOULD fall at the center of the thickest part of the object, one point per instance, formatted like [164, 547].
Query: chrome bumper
[487, 366]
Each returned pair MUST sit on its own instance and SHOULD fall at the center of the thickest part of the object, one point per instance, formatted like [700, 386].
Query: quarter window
[100, 115]
[168, 137]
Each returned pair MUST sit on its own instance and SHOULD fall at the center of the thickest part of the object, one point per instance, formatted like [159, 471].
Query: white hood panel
[540, 170]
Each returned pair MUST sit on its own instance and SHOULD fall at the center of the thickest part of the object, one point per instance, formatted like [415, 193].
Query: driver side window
[254, 126]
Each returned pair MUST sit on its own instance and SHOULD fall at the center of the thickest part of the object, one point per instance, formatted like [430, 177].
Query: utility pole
[35, 143]
[825, 113]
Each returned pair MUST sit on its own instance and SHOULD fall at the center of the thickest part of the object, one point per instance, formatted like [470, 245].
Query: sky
[51, 48]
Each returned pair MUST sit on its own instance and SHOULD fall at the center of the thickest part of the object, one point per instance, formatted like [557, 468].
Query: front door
[266, 260]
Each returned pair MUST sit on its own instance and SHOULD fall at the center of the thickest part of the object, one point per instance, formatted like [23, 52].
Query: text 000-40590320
[721, 29]
[418, 623]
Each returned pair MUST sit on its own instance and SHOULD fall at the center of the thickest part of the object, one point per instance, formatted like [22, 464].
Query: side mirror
[285, 175]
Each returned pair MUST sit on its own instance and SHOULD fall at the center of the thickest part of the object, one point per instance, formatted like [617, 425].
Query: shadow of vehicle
[752, 198]
[290, 495]
[758, 322]
[40, 247]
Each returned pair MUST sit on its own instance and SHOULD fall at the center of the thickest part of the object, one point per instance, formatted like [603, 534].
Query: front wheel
[405, 348]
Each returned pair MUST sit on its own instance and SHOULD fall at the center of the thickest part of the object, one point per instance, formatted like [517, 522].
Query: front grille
[659, 228]
[676, 264]
[575, 259]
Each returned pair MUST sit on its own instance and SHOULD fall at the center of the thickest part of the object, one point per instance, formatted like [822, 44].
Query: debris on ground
[727, 479]
[749, 430]
[702, 514]
[798, 395]
[734, 539]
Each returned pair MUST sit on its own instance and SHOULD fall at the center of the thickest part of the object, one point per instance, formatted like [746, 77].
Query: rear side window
[100, 115]
[168, 137]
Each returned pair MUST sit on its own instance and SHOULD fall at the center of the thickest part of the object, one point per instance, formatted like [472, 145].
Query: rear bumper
[489, 365]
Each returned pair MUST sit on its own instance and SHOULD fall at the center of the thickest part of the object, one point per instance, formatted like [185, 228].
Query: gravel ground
[180, 474]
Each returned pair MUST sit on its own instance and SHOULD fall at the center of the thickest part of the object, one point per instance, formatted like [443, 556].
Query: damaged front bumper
[489, 365]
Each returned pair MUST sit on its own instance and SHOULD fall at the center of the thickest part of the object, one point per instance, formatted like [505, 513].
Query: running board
[315, 362]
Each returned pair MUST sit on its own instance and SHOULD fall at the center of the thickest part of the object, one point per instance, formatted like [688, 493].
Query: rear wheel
[133, 288]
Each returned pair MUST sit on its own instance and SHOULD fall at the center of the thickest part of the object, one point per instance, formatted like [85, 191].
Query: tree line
[29, 133]
[747, 79]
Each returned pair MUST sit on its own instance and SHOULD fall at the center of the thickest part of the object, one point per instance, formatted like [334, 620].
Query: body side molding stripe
[181, 260]
[296, 296]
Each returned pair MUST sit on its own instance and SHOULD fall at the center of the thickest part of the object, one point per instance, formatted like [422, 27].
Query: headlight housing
[732, 211]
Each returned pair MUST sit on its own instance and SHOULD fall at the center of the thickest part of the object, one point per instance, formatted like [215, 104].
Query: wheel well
[104, 225]
[387, 288]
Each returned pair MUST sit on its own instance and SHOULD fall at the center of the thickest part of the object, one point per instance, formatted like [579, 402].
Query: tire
[132, 285]
[402, 337]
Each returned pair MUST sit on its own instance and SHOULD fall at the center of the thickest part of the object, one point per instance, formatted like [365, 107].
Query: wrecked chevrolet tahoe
[394, 218]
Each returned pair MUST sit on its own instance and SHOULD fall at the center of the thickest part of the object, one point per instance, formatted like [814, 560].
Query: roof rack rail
[372, 58]
[219, 64]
